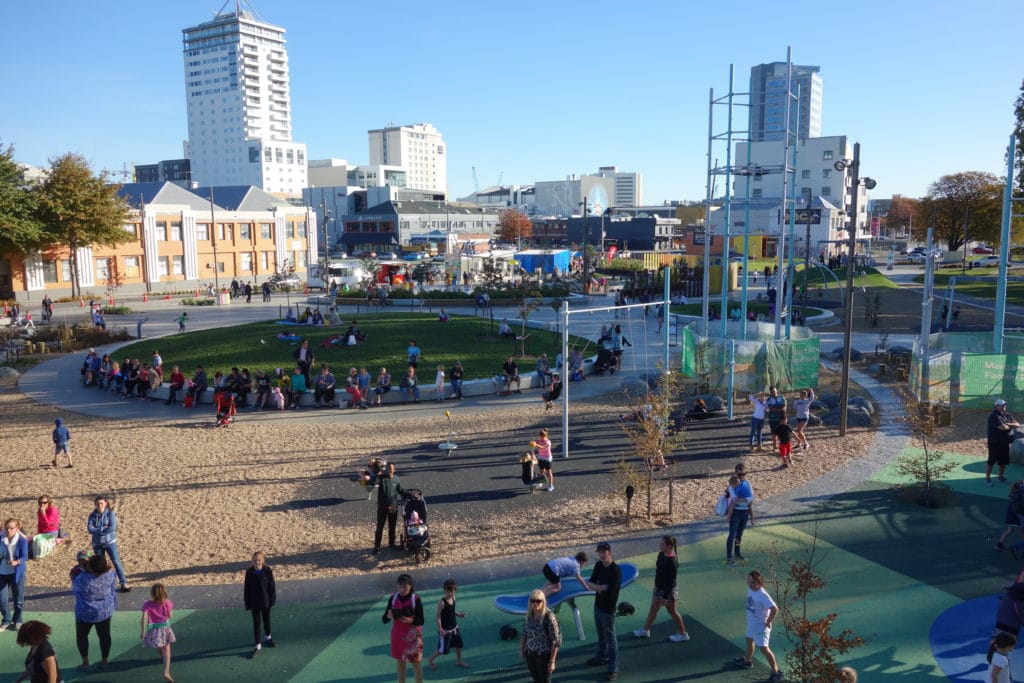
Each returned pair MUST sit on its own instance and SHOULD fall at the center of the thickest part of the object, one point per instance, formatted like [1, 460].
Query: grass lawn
[468, 339]
[983, 290]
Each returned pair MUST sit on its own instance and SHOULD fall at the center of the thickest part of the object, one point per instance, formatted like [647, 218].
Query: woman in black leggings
[94, 606]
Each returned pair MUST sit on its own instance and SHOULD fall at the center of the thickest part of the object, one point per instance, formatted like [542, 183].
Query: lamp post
[213, 240]
[851, 264]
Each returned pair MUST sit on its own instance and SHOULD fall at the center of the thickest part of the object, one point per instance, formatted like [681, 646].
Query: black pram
[415, 532]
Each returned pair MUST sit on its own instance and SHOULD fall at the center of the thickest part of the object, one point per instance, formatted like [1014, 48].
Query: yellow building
[175, 234]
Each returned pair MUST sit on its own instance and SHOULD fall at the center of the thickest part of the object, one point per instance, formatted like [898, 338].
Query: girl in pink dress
[156, 625]
[405, 609]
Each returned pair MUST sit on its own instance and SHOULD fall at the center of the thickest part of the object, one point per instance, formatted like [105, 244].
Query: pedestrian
[542, 448]
[666, 571]
[1000, 435]
[41, 662]
[182, 319]
[405, 611]
[95, 604]
[757, 421]
[741, 513]
[761, 612]
[563, 568]
[803, 414]
[776, 405]
[102, 524]
[606, 580]
[540, 640]
[13, 559]
[156, 625]
[999, 649]
[61, 437]
[784, 433]
[389, 494]
[259, 595]
[448, 636]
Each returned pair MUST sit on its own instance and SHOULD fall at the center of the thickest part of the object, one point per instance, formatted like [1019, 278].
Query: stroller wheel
[422, 555]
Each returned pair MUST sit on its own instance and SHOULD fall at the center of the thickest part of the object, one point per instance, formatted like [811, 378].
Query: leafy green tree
[20, 230]
[80, 209]
[962, 207]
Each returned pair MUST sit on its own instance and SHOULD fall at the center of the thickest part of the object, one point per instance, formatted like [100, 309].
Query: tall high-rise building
[239, 107]
[418, 148]
[768, 102]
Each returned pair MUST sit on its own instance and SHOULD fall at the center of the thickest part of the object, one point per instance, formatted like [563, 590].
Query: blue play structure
[571, 589]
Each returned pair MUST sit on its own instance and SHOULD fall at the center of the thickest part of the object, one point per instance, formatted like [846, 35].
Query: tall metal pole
[213, 239]
[706, 281]
[851, 265]
[1004, 249]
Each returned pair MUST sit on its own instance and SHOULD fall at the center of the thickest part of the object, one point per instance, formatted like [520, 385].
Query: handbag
[722, 504]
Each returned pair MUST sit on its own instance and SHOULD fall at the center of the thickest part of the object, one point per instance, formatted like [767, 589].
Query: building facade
[239, 105]
[768, 95]
[176, 240]
[417, 148]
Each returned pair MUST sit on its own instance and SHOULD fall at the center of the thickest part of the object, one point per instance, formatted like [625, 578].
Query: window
[161, 230]
[806, 173]
[65, 270]
[50, 271]
[756, 193]
[175, 233]
[266, 231]
[102, 272]
[131, 266]
[826, 191]
[177, 265]
[202, 231]
[244, 232]
[827, 156]
[162, 266]
[245, 262]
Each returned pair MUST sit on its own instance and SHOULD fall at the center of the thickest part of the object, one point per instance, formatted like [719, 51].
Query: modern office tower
[768, 101]
[239, 107]
[418, 148]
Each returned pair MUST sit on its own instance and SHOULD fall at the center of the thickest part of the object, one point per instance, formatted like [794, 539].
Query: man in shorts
[1000, 435]
[761, 612]
[562, 568]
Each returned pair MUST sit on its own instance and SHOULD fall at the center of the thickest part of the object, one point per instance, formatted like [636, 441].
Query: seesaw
[571, 589]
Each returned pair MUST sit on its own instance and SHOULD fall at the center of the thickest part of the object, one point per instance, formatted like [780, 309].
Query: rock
[856, 416]
[9, 374]
[829, 399]
[855, 355]
[635, 387]
[864, 403]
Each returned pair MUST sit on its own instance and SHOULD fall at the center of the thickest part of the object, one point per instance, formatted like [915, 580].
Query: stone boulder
[829, 399]
[864, 403]
[856, 416]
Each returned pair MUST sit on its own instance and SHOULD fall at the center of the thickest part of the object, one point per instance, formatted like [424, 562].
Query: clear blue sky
[533, 90]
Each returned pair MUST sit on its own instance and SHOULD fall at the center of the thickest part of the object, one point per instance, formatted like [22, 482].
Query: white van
[345, 273]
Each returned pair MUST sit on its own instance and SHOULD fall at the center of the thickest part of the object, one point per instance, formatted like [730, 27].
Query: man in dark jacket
[389, 495]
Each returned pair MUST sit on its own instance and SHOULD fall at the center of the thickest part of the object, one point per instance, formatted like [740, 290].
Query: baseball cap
[1000, 402]
[603, 545]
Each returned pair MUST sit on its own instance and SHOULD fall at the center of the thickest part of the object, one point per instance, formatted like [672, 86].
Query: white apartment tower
[418, 148]
[239, 106]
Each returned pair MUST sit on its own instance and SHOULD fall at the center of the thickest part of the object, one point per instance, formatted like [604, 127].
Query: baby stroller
[415, 533]
[605, 361]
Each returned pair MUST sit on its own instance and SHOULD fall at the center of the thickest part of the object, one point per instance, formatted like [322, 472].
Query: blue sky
[533, 90]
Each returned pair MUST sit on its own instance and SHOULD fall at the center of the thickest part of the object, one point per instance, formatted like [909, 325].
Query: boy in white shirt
[761, 612]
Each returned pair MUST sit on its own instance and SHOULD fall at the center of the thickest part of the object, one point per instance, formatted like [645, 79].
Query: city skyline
[537, 94]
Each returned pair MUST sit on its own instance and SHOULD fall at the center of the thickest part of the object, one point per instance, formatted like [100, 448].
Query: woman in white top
[757, 420]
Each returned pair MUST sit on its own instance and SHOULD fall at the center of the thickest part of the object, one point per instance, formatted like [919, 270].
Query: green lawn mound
[474, 341]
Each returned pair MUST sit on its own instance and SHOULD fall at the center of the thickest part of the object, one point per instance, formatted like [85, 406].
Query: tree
[903, 213]
[962, 207]
[513, 226]
[79, 209]
[20, 230]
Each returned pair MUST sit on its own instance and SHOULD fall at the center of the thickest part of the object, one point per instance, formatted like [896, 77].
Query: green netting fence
[963, 370]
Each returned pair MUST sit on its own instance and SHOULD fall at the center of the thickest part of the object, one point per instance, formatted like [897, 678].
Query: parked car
[982, 249]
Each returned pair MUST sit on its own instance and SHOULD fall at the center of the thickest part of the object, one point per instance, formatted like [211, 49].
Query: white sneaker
[679, 637]
[642, 633]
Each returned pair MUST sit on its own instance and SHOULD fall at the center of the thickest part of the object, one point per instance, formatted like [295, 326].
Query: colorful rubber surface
[918, 584]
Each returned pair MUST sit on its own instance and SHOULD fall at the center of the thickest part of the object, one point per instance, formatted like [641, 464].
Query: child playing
[785, 435]
[156, 625]
[761, 612]
[61, 436]
[448, 635]
[999, 658]
[260, 594]
[439, 383]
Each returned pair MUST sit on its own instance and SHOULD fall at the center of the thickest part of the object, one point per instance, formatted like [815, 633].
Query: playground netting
[964, 371]
[758, 360]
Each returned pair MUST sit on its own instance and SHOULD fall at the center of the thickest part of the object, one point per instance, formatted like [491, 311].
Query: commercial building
[768, 95]
[417, 148]
[239, 105]
[177, 239]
